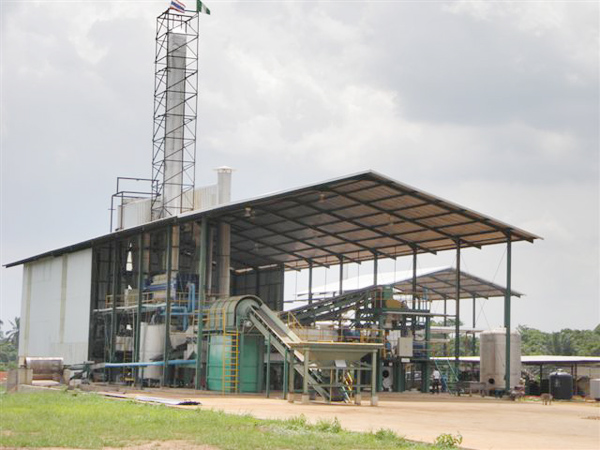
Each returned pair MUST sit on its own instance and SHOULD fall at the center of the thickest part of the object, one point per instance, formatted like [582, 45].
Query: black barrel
[561, 385]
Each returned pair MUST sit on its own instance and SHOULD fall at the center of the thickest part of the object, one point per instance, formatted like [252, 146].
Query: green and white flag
[201, 8]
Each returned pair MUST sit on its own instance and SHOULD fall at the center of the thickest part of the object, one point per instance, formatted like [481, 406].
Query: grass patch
[65, 419]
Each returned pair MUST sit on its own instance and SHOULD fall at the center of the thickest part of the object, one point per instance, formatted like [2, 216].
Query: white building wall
[55, 307]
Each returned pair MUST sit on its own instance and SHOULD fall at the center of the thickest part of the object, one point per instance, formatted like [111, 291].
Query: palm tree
[13, 334]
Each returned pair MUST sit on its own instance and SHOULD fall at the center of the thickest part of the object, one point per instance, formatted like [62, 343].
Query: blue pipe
[172, 362]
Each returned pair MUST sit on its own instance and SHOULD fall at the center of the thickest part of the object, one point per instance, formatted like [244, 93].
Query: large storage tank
[493, 358]
[561, 385]
[152, 338]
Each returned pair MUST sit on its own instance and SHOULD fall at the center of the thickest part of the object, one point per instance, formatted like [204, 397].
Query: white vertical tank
[152, 339]
[493, 358]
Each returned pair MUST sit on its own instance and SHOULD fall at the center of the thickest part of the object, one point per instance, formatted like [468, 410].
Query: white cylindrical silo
[493, 358]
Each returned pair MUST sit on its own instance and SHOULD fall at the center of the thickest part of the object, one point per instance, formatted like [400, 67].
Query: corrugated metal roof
[441, 283]
[434, 283]
[352, 218]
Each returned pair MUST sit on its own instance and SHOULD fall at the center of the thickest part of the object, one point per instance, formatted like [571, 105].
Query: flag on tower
[177, 6]
[201, 7]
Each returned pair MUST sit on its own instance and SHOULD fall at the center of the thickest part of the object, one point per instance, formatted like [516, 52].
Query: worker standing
[436, 378]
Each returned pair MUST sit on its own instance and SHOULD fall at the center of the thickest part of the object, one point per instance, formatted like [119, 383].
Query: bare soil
[484, 423]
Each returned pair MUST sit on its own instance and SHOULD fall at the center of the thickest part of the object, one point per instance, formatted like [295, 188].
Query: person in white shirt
[436, 378]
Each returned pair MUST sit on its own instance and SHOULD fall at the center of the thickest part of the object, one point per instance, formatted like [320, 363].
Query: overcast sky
[493, 105]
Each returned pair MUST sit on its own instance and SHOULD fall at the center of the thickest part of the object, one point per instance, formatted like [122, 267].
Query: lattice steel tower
[175, 110]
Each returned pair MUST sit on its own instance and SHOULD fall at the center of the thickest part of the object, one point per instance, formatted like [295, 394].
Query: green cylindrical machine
[234, 359]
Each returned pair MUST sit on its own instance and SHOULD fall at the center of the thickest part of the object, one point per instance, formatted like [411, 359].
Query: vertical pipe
[310, 282]
[268, 380]
[375, 268]
[457, 317]
[257, 284]
[224, 259]
[201, 299]
[138, 319]
[165, 381]
[173, 164]
[507, 308]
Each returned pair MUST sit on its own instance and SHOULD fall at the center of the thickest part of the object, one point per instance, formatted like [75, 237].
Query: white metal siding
[56, 307]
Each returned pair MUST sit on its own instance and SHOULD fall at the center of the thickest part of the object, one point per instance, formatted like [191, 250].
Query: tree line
[9, 345]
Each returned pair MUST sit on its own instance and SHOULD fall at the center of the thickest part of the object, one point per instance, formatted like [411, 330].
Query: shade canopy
[350, 219]
[441, 283]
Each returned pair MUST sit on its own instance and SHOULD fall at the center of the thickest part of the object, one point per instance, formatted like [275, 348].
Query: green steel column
[474, 320]
[445, 323]
[268, 380]
[201, 299]
[113, 316]
[165, 381]
[285, 374]
[414, 278]
[507, 308]
[425, 375]
[138, 319]
[457, 317]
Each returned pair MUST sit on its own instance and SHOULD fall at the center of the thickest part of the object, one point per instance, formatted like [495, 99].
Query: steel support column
[165, 381]
[138, 319]
[374, 398]
[474, 320]
[305, 377]
[310, 282]
[115, 288]
[341, 288]
[268, 377]
[414, 278]
[507, 300]
[203, 242]
[291, 374]
[457, 316]
[286, 374]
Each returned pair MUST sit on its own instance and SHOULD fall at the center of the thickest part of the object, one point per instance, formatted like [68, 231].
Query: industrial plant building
[188, 289]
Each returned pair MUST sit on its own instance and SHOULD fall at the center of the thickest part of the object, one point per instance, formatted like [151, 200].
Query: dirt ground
[484, 423]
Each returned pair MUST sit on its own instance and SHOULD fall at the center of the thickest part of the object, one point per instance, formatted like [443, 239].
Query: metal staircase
[446, 369]
[270, 326]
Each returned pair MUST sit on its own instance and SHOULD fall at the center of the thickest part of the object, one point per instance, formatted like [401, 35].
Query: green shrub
[329, 426]
[448, 440]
